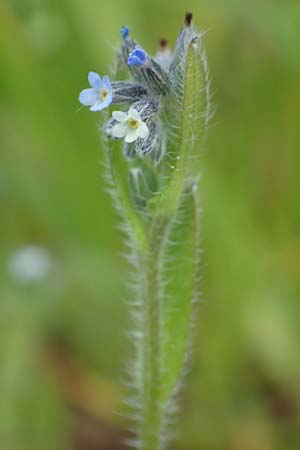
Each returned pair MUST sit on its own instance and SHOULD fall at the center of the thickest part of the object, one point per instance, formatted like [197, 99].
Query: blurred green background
[62, 328]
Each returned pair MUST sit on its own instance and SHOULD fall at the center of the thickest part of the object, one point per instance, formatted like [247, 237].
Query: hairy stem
[152, 408]
[159, 205]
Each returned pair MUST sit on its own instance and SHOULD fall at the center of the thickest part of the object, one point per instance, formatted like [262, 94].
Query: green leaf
[168, 298]
[188, 112]
[179, 288]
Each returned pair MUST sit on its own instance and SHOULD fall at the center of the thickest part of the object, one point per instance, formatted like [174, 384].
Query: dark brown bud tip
[188, 18]
[163, 43]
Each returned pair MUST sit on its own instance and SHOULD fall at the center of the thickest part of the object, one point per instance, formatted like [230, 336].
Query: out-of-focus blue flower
[125, 31]
[99, 96]
[137, 57]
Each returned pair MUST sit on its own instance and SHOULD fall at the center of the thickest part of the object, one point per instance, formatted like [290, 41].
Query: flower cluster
[140, 125]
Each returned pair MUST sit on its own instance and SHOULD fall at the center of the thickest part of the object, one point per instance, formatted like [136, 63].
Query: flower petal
[119, 130]
[120, 116]
[97, 106]
[95, 80]
[106, 82]
[134, 113]
[131, 136]
[101, 104]
[143, 130]
[137, 57]
[88, 97]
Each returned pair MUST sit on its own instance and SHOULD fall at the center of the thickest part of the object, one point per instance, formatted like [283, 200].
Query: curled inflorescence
[153, 81]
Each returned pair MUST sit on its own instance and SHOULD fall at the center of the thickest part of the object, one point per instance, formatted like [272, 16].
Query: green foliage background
[62, 339]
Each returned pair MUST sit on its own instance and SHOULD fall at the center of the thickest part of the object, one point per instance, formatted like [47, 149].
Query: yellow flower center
[133, 123]
[103, 94]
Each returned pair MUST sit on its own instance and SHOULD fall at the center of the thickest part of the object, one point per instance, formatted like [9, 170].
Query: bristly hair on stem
[152, 163]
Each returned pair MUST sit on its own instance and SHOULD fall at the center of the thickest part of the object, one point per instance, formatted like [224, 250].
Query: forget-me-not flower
[137, 57]
[99, 96]
[153, 79]
[130, 126]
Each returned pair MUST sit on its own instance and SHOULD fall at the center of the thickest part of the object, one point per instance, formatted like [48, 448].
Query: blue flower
[124, 31]
[99, 96]
[137, 57]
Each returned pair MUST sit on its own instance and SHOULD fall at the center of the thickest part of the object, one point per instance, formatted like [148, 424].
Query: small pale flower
[99, 96]
[137, 57]
[130, 126]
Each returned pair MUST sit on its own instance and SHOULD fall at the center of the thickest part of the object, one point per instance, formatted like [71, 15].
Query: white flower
[130, 126]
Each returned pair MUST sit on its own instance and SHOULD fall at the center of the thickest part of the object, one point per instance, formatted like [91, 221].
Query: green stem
[150, 433]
